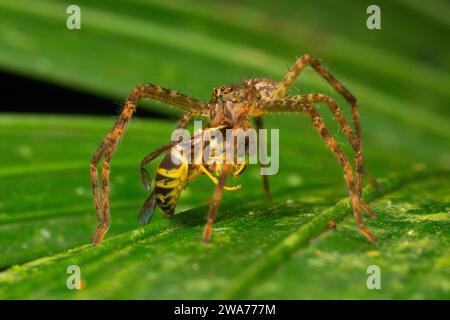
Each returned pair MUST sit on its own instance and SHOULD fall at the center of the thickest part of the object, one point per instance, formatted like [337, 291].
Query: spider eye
[227, 89]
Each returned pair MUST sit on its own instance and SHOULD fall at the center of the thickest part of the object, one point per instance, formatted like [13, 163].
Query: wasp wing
[147, 210]
[146, 179]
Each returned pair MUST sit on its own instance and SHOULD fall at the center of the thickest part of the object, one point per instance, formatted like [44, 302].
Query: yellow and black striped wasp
[178, 168]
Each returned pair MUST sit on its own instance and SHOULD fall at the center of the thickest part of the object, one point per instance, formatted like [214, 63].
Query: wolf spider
[231, 106]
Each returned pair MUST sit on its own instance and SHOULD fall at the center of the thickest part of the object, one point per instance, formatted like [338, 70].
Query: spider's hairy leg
[339, 87]
[187, 116]
[284, 105]
[215, 202]
[335, 111]
[94, 176]
[109, 144]
[348, 171]
[299, 66]
[348, 132]
[259, 125]
[105, 150]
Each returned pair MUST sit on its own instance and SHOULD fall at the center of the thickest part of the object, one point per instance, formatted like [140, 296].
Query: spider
[231, 106]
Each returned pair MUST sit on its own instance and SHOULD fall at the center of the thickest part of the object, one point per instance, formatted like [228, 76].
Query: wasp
[175, 172]
[230, 107]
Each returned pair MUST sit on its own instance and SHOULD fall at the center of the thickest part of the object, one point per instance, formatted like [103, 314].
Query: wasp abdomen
[171, 178]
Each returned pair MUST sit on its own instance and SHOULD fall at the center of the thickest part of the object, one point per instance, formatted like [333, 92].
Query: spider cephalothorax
[226, 104]
[230, 107]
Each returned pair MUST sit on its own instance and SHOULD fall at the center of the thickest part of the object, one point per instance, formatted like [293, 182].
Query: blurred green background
[400, 75]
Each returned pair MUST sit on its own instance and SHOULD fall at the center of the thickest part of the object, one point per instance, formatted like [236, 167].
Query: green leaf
[50, 209]
[282, 249]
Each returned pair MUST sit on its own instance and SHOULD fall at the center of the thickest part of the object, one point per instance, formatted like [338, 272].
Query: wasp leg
[265, 178]
[215, 203]
[240, 168]
[214, 179]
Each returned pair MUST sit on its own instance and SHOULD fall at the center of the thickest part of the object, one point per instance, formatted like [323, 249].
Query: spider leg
[348, 132]
[259, 125]
[94, 176]
[286, 105]
[215, 202]
[109, 144]
[187, 116]
[287, 82]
